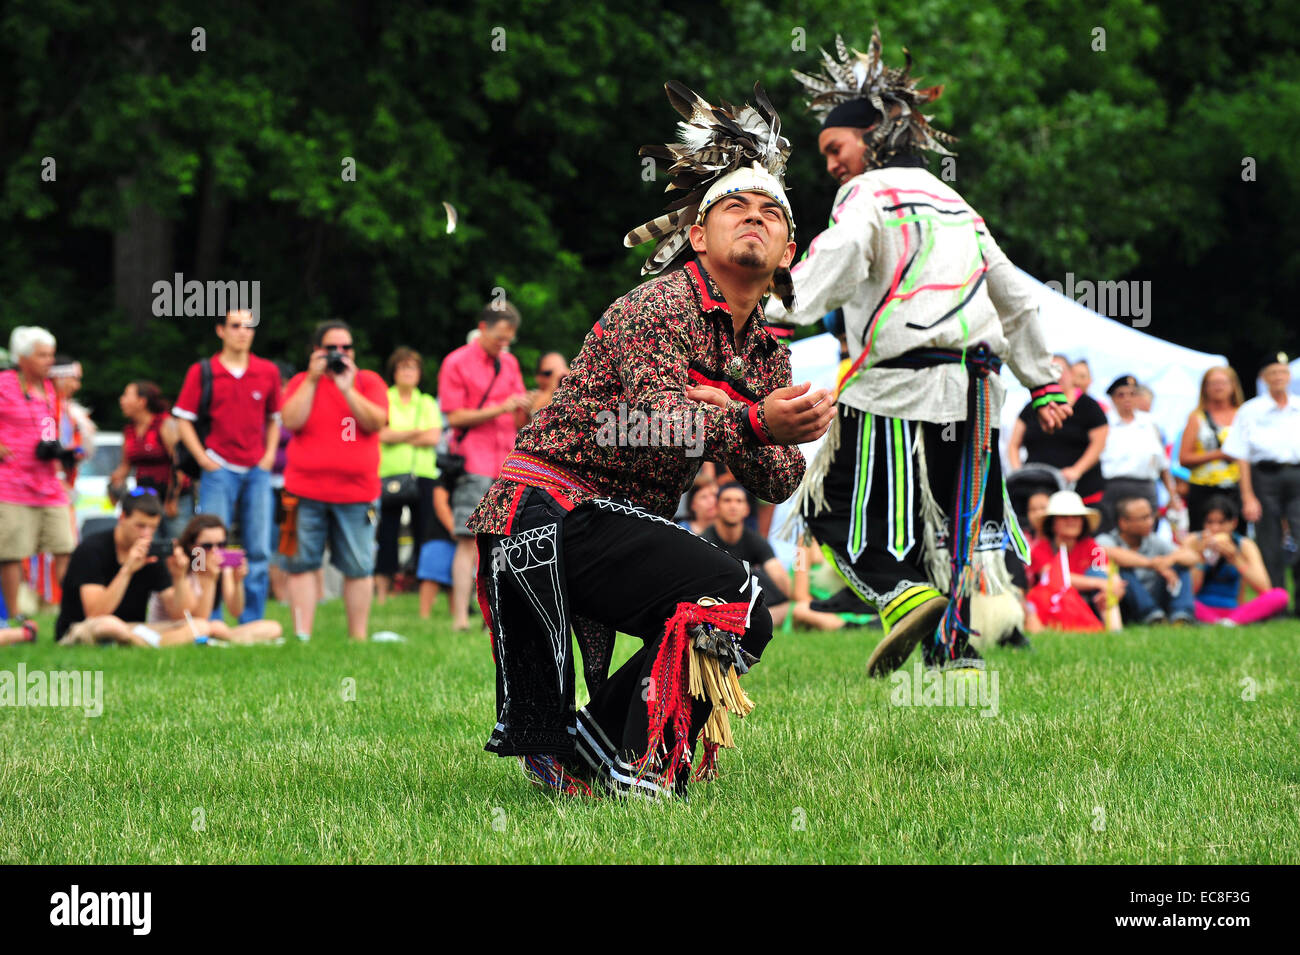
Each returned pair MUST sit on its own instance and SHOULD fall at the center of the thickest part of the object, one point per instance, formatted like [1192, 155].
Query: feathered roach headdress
[859, 90]
[721, 150]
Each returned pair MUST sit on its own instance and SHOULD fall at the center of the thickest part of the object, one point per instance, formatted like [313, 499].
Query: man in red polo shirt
[482, 397]
[239, 451]
[335, 413]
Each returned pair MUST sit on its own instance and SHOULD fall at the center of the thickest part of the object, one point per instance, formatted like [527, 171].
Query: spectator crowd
[1122, 525]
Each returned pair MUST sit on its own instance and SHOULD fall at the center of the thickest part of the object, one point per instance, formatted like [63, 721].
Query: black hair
[1121, 506]
[318, 335]
[146, 504]
[733, 486]
[1224, 505]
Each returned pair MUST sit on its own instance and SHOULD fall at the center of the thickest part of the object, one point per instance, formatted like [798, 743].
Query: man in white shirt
[1134, 457]
[1265, 440]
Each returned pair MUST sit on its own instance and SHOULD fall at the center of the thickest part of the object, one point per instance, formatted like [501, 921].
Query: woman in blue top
[1231, 562]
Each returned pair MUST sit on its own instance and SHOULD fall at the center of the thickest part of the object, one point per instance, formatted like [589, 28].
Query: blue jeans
[220, 492]
[348, 529]
[1139, 602]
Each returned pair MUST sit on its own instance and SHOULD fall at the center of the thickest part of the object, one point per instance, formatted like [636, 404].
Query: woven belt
[534, 472]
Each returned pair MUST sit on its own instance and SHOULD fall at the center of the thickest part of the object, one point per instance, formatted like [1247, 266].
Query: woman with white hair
[33, 501]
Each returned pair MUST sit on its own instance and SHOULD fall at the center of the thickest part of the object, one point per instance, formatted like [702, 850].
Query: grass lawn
[1128, 748]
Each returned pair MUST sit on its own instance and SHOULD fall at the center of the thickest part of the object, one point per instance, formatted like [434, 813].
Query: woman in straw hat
[1070, 566]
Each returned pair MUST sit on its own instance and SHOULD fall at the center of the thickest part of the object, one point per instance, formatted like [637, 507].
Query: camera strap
[458, 434]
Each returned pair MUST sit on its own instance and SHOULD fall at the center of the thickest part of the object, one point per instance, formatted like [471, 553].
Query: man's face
[733, 507]
[37, 365]
[747, 230]
[495, 338]
[137, 525]
[339, 338]
[1277, 377]
[844, 150]
[237, 330]
[1124, 398]
[1137, 519]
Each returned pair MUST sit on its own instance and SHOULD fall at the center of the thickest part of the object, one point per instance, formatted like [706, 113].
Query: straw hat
[1069, 504]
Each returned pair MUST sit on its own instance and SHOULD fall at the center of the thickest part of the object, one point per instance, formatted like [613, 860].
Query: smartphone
[232, 558]
[161, 547]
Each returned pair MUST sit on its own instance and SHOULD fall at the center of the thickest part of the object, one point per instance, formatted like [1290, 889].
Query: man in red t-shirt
[239, 451]
[335, 412]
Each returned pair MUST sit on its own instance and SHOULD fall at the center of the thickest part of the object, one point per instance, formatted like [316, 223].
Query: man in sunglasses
[331, 478]
[242, 421]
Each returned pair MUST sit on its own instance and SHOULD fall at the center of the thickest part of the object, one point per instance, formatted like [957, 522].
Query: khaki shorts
[470, 490]
[25, 531]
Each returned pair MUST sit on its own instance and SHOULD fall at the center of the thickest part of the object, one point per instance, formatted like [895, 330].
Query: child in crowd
[434, 569]
[1232, 562]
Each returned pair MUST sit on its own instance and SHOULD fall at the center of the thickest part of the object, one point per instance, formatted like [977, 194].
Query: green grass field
[1129, 748]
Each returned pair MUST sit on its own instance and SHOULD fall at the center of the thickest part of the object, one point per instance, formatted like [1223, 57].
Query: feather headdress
[851, 75]
[721, 149]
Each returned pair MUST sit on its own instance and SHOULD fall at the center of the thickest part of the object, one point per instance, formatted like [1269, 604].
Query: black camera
[161, 547]
[54, 451]
[334, 362]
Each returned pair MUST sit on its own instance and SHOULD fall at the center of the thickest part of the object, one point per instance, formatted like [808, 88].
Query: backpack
[185, 462]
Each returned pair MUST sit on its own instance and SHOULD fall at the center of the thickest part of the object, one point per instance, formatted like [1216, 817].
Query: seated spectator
[702, 506]
[22, 634]
[407, 463]
[1156, 574]
[111, 576]
[1074, 448]
[1066, 563]
[1134, 457]
[1212, 472]
[216, 584]
[551, 370]
[437, 552]
[1229, 563]
[730, 533]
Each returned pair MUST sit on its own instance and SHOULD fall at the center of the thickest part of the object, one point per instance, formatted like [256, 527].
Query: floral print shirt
[621, 423]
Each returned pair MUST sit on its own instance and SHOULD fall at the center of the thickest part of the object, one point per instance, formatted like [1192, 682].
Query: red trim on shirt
[514, 505]
[701, 379]
[707, 301]
[758, 428]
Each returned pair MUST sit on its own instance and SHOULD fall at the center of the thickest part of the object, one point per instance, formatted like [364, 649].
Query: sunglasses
[211, 545]
[347, 347]
[140, 491]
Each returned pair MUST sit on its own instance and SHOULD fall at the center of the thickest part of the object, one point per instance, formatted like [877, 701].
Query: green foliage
[526, 117]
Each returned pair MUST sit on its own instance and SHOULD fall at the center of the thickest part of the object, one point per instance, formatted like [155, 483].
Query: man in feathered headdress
[906, 495]
[576, 531]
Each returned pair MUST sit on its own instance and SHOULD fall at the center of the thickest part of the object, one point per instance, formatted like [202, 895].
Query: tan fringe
[810, 491]
[725, 693]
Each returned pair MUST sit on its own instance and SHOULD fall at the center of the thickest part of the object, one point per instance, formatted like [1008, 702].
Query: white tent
[1112, 348]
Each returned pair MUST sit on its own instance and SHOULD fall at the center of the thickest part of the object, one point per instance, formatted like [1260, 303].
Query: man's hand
[316, 365]
[1052, 416]
[1071, 474]
[268, 461]
[796, 415]
[208, 464]
[138, 555]
[520, 402]
[709, 395]
[1170, 577]
[1251, 509]
[344, 379]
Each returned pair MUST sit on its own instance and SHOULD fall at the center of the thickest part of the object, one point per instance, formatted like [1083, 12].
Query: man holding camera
[481, 393]
[112, 575]
[331, 481]
[238, 453]
[33, 502]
